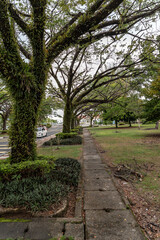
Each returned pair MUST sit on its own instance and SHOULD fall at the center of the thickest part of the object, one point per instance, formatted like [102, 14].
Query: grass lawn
[69, 151]
[137, 148]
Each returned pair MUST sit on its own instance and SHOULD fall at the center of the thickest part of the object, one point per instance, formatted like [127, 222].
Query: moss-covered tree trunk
[91, 121]
[22, 133]
[73, 122]
[4, 122]
[67, 118]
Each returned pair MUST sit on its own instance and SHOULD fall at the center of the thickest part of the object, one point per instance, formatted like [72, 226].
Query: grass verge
[71, 151]
[137, 148]
[134, 158]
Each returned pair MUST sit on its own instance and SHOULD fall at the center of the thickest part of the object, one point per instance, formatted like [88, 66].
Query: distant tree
[113, 112]
[92, 114]
[152, 111]
[125, 109]
[152, 102]
[151, 82]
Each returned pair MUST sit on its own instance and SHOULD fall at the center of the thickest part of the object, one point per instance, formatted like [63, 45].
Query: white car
[41, 132]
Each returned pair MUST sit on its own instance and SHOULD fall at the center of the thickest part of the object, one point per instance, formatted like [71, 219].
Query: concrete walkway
[103, 216]
[106, 216]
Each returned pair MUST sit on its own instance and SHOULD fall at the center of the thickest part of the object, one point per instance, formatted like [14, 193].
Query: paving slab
[102, 200]
[101, 184]
[12, 230]
[89, 160]
[96, 173]
[89, 150]
[114, 225]
[89, 165]
[44, 230]
[75, 230]
[92, 157]
[89, 143]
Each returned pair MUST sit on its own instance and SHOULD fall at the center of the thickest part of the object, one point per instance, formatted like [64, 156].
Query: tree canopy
[127, 108]
[35, 32]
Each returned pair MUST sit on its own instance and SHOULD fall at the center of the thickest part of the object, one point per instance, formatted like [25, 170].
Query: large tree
[40, 31]
[85, 77]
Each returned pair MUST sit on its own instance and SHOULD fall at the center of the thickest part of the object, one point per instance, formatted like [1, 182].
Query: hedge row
[68, 141]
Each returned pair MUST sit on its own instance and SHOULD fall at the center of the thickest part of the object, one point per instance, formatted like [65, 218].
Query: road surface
[4, 149]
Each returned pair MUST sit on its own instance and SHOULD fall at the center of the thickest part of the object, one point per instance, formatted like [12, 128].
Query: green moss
[14, 220]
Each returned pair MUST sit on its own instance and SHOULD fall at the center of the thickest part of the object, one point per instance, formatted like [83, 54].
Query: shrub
[78, 130]
[34, 193]
[4, 131]
[48, 125]
[74, 130]
[28, 168]
[37, 193]
[66, 135]
[67, 171]
[68, 141]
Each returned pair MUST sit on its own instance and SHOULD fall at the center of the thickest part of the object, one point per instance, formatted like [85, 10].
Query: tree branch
[128, 19]
[84, 23]
[7, 34]
[20, 22]
[39, 51]
[58, 82]
[24, 51]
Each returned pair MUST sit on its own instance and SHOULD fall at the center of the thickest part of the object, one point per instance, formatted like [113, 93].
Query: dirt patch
[126, 172]
[149, 139]
[146, 212]
[153, 135]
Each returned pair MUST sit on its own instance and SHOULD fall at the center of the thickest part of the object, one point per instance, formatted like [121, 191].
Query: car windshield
[39, 129]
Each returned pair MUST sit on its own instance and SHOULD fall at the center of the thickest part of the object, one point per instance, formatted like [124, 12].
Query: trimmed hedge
[4, 131]
[80, 131]
[28, 168]
[68, 141]
[66, 135]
